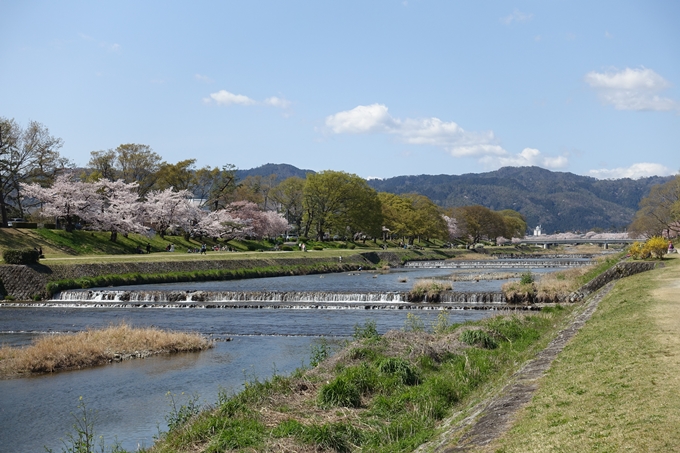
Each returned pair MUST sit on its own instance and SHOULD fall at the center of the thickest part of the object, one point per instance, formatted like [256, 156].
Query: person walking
[204, 249]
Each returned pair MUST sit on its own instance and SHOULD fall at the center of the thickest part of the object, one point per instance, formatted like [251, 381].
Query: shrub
[527, 278]
[400, 368]
[317, 247]
[320, 352]
[338, 436]
[369, 330]
[21, 256]
[479, 338]
[340, 392]
[287, 248]
[413, 323]
[30, 225]
[656, 246]
[637, 251]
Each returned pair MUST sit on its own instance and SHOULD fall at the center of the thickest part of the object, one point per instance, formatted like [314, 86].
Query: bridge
[547, 242]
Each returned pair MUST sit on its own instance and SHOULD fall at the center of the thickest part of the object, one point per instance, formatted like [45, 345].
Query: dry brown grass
[95, 347]
[550, 288]
[428, 290]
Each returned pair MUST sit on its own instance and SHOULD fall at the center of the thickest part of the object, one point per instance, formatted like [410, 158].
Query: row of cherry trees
[116, 206]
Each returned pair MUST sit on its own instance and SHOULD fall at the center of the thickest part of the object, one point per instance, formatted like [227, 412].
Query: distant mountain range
[282, 171]
[557, 201]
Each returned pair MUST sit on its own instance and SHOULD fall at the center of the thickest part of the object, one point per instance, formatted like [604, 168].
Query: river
[131, 398]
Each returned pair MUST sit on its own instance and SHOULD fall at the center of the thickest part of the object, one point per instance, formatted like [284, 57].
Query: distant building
[537, 230]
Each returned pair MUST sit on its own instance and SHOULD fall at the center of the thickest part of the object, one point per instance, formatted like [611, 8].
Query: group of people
[139, 248]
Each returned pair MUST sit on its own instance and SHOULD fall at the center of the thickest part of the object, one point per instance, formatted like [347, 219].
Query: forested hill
[558, 201]
[282, 171]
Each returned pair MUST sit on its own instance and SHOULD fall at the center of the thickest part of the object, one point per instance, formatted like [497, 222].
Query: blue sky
[380, 88]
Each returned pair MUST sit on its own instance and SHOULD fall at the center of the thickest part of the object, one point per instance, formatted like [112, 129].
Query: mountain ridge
[558, 201]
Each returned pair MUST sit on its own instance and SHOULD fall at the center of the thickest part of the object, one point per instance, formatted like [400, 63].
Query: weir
[496, 264]
[256, 299]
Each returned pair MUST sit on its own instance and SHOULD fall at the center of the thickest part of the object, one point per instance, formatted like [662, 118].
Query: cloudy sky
[379, 88]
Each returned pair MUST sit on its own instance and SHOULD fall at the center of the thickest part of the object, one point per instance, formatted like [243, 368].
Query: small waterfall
[225, 296]
[252, 298]
[495, 264]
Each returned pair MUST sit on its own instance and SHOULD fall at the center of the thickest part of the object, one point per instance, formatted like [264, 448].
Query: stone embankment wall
[29, 282]
[621, 270]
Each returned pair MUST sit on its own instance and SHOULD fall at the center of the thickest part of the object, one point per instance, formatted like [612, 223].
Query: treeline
[659, 213]
[131, 189]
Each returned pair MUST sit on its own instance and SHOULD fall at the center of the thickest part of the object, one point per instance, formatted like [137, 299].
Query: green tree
[289, 195]
[179, 176]
[659, 211]
[216, 185]
[135, 162]
[341, 203]
[514, 222]
[425, 220]
[396, 212]
[103, 165]
[479, 222]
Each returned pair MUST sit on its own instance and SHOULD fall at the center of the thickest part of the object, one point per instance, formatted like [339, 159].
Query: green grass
[203, 275]
[614, 387]
[601, 267]
[372, 400]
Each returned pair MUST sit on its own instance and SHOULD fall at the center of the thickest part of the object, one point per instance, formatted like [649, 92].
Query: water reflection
[130, 397]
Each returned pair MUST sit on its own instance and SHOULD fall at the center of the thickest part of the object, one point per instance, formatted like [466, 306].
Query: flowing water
[130, 398]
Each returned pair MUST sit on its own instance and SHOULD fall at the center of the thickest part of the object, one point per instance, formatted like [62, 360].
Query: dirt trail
[491, 418]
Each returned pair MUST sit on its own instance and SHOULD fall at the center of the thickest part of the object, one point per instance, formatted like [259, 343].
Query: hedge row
[21, 256]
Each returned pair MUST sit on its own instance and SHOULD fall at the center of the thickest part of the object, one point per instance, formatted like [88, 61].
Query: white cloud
[202, 78]
[458, 142]
[361, 119]
[635, 171]
[517, 16]
[631, 89]
[528, 157]
[224, 97]
[277, 102]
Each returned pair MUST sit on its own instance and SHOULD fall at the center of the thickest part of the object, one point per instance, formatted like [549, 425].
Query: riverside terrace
[547, 241]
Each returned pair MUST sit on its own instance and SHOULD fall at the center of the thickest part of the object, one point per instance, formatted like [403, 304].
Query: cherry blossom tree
[275, 224]
[121, 209]
[67, 199]
[452, 227]
[222, 224]
[165, 208]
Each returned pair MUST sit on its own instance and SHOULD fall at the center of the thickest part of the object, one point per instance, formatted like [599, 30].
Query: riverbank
[37, 282]
[380, 393]
[353, 402]
[614, 388]
[53, 353]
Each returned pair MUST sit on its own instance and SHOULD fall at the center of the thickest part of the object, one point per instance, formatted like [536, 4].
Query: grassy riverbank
[615, 386]
[380, 393]
[94, 347]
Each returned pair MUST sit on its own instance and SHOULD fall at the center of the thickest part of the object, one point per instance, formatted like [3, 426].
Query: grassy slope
[383, 394]
[615, 386]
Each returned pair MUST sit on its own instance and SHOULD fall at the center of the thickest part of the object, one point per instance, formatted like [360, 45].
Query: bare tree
[27, 155]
